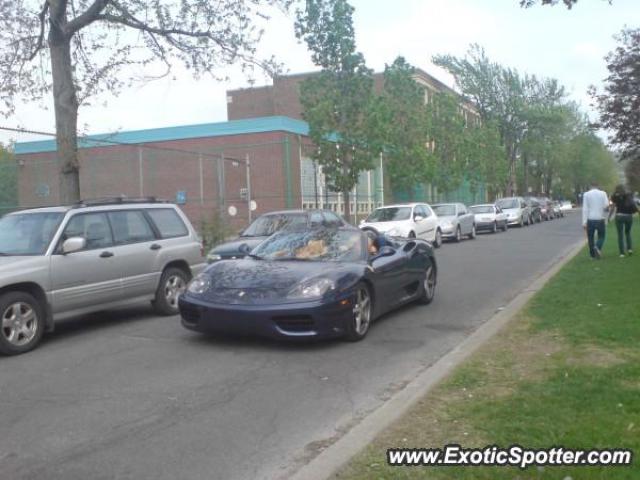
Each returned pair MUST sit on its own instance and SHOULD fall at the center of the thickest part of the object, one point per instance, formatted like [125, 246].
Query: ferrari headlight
[199, 285]
[314, 288]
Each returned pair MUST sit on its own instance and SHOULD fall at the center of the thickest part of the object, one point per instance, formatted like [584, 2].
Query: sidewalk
[565, 372]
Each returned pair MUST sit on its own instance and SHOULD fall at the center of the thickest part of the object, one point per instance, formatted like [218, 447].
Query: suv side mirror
[73, 244]
[460, 214]
[418, 218]
[244, 249]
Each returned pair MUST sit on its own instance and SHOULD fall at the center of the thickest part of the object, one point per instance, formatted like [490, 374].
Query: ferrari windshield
[482, 209]
[444, 210]
[506, 203]
[324, 245]
[267, 225]
[27, 233]
[390, 214]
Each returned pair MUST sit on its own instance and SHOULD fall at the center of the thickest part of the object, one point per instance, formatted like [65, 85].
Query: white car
[490, 217]
[566, 206]
[411, 220]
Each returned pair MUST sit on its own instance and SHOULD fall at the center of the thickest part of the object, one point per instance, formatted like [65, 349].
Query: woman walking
[624, 208]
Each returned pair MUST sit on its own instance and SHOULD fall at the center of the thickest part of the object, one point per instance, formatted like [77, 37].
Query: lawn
[565, 372]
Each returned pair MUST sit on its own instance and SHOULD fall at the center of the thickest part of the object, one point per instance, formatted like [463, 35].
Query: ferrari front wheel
[361, 314]
[429, 285]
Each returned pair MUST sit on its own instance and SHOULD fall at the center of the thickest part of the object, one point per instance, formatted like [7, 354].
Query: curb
[334, 457]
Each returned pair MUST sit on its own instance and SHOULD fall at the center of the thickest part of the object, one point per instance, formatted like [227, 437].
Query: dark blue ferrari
[311, 284]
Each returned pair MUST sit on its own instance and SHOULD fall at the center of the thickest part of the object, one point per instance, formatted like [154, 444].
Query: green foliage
[548, 145]
[214, 230]
[403, 124]
[8, 182]
[338, 101]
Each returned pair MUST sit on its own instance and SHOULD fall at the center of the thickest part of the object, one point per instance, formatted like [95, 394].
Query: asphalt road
[127, 395]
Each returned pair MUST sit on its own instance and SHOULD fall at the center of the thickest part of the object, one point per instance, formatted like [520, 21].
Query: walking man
[595, 204]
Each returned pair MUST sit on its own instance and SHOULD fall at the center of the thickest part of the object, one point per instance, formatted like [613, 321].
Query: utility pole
[248, 165]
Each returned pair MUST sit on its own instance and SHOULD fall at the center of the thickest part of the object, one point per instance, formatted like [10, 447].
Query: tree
[75, 49]
[632, 172]
[337, 102]
[619, 105]
[499, 95]
[403, 122]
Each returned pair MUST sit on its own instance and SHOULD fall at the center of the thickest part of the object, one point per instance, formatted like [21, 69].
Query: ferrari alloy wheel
[428, 285]
[361, 318]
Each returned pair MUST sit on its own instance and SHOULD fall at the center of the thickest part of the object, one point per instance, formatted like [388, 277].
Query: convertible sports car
[314, 283]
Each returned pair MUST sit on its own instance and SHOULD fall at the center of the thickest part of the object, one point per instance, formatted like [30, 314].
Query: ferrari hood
[250, 281]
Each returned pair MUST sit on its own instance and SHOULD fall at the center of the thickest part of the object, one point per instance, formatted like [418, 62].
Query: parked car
[411, 220]
[489, 217]
[455, 221]
[546, 208]
[566, 206]
[60, 262]
[516, 210]
[557, 210]
[310, 284]
[534, 209]
[266, 225]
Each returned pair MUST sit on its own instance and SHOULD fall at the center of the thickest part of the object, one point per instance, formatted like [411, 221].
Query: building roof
[233, 127]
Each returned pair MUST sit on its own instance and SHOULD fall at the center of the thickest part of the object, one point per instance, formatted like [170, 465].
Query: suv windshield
[506, 203]
[482, 209]
[390, 214]
[444, 210]
[324, 245]
[267, 225]
[27, 233]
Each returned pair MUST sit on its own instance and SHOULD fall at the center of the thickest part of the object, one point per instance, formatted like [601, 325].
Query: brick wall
[165, 168]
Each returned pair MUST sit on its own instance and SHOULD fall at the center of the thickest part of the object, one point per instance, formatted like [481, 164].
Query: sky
[554, 42]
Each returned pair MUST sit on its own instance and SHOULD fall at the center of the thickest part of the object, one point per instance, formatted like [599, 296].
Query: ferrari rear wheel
[361, 318]
[428, 286]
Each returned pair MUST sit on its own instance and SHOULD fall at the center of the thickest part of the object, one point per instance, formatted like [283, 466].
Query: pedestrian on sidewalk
[595, 204]
[624, 206]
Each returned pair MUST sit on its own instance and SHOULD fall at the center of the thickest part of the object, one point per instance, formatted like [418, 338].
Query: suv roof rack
[96, 202]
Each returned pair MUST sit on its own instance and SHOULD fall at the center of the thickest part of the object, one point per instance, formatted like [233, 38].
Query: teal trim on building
[233, 127]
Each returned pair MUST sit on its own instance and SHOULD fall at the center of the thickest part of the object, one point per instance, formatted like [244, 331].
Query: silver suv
[59, 262]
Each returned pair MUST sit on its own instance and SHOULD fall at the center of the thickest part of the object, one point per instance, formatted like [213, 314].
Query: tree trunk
[66, 112]
[511, 181]
[346, 198]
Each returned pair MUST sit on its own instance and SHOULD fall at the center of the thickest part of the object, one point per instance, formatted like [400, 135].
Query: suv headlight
[199, 285]
[314, 288]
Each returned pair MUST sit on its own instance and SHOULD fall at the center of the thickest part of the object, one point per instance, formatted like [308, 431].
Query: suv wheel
[458, 236]
[172, 283]
[472, 235]
[22, 323]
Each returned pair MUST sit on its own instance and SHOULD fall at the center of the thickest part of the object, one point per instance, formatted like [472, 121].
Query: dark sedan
[268, 224]
[315, 283]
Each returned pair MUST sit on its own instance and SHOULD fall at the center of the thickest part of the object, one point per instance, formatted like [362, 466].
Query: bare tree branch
[40, 42]
[84, 19]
